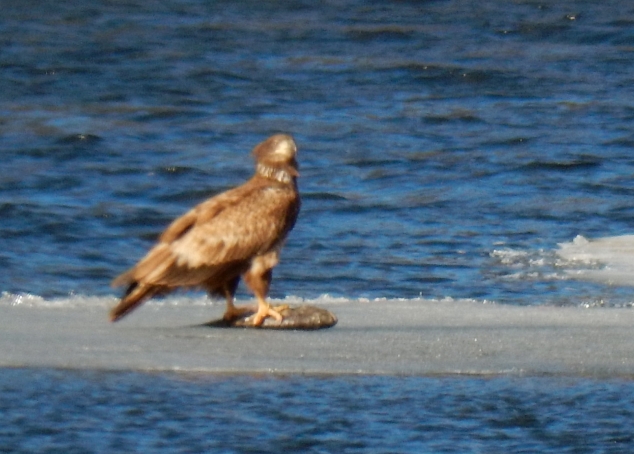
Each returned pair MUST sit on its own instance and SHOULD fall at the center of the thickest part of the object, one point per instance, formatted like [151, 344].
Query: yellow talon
[265, 311]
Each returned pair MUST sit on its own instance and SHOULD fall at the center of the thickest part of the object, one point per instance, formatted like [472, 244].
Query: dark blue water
[446, 148]
[61, 411]
[431, 134]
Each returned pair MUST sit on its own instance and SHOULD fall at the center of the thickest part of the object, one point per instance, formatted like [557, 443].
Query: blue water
[430, 136]
[446, 148]
[108, 412]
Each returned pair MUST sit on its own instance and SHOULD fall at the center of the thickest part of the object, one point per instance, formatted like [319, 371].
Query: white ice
[608, 260]
[406, 336]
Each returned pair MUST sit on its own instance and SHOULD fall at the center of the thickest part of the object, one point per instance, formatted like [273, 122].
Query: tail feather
[133, 298]
[123, 279]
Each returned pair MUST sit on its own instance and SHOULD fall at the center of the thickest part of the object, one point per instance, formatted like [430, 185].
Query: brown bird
[238, 233]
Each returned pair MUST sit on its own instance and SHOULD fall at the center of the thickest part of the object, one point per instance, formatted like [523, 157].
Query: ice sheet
[608, 260]
[415, 336]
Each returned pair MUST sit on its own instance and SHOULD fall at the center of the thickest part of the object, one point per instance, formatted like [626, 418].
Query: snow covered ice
[608, 260]
[403, 336]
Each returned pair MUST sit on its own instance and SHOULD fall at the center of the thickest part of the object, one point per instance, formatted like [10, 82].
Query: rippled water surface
[432, 135]
[446, 148]
[105, 412]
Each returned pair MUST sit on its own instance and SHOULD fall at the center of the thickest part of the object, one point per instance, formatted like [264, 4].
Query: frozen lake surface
[419, 337]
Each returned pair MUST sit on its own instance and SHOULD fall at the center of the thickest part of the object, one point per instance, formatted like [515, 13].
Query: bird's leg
[259, 283]
[233, 312]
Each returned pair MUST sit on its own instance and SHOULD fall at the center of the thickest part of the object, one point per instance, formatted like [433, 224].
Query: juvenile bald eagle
[238, 233]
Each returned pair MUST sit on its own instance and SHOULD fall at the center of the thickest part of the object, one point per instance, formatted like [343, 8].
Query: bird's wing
[223, 231]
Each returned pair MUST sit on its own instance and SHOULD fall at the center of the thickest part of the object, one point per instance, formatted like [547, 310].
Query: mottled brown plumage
[238, 233]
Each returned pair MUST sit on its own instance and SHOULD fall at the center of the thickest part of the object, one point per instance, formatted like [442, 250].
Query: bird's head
[276, 158]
